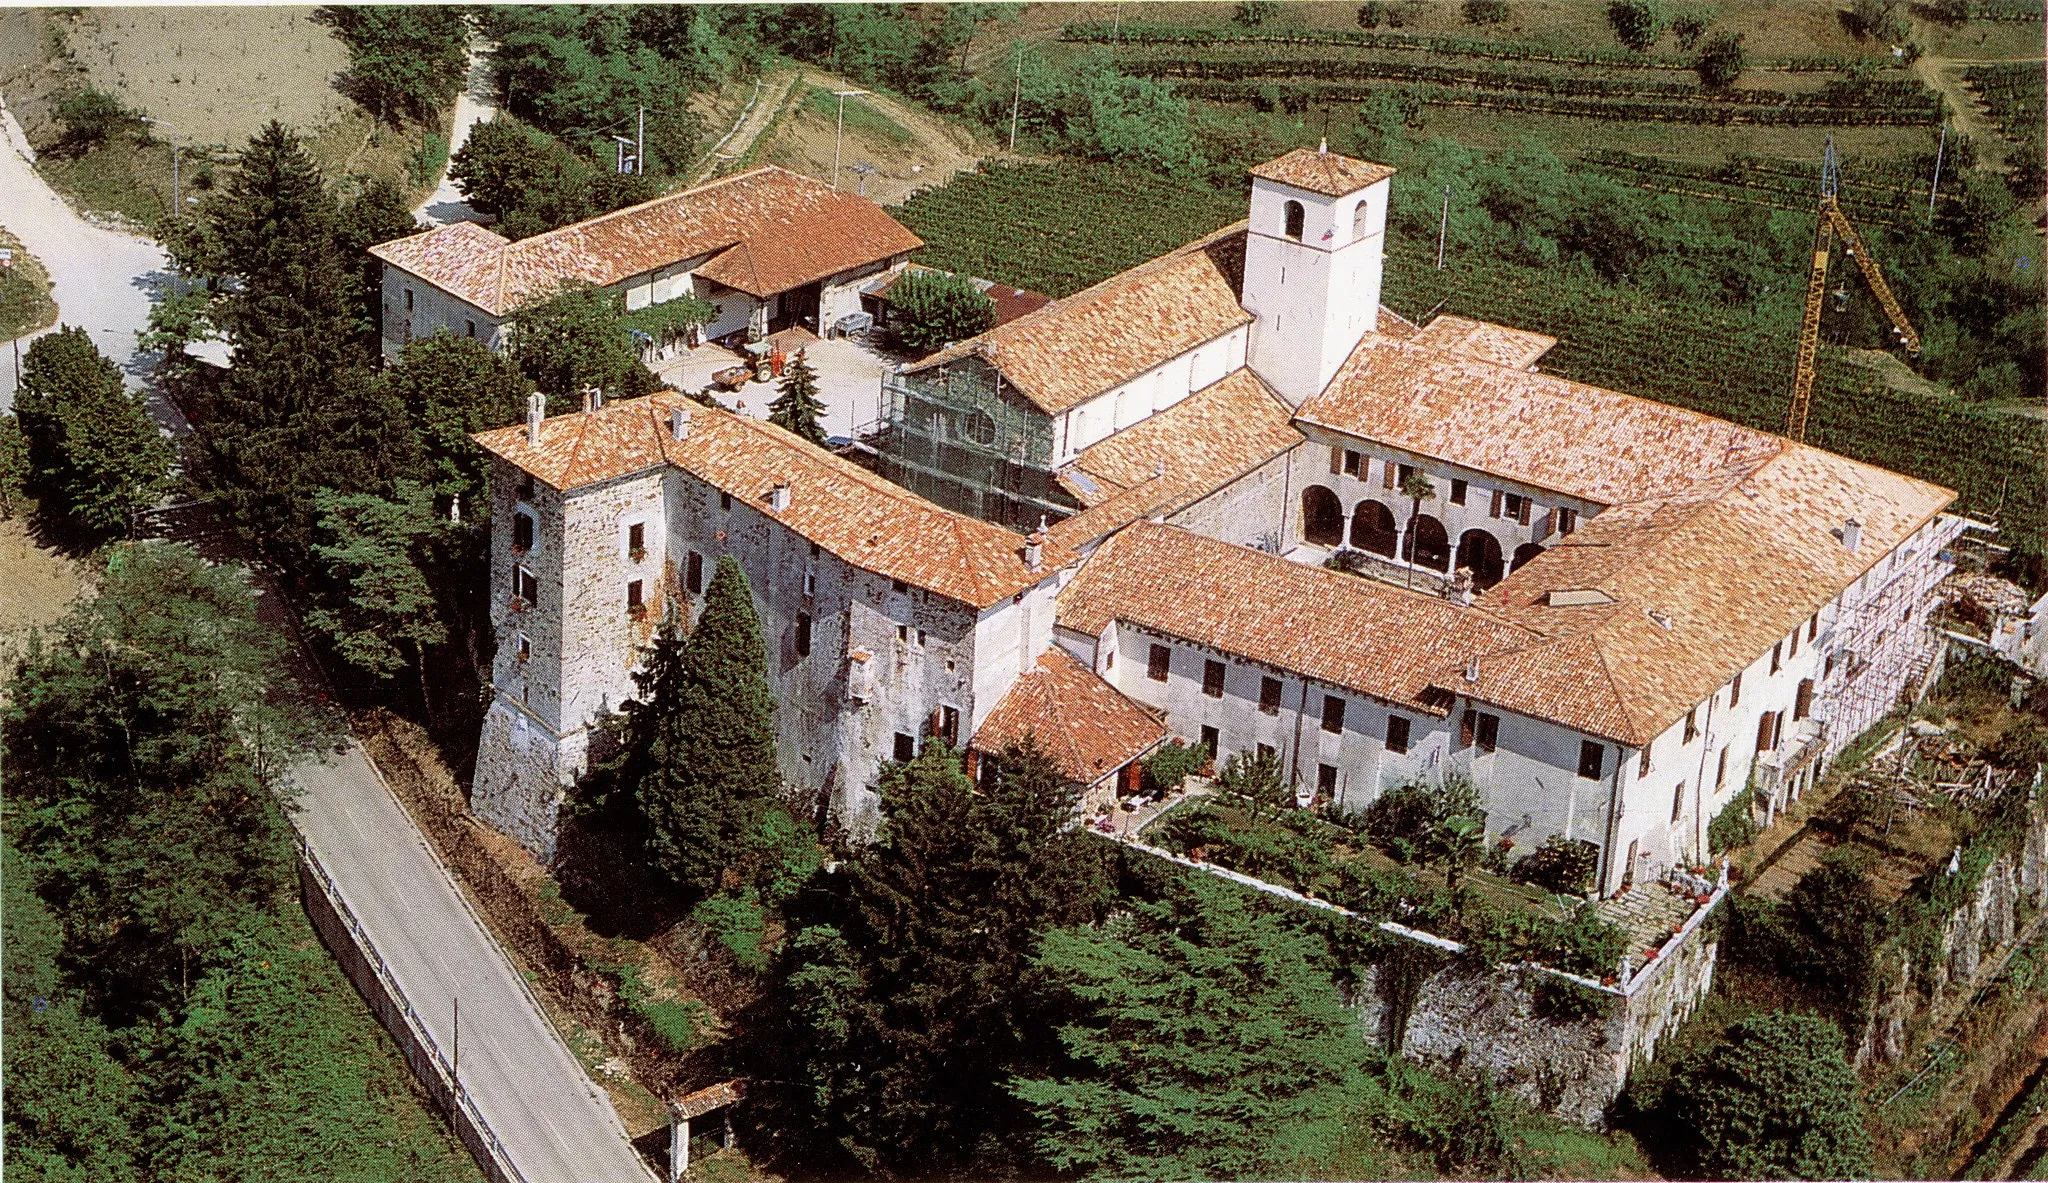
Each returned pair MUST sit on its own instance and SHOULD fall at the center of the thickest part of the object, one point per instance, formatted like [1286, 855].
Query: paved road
[555, 1123]
[102, 280]
[472, 106]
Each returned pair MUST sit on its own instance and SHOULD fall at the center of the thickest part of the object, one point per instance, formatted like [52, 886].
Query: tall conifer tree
[708, 773]
[797, 409]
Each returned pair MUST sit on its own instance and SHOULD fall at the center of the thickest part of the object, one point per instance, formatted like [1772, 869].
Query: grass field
[25, 303]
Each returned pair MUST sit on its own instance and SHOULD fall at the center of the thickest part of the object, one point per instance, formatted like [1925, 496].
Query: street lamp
[840, 131]
[177, 203]
[626, 158]
[863, 170]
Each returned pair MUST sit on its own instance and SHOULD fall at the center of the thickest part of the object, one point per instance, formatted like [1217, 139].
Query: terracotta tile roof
[1339, 629]
[1085, 724]
[1328, 173]
[858, 516]
[1185, 452]
[1071, 350]
[1516, 349]
[1540, 430]
[767, 230]
[1733, 565]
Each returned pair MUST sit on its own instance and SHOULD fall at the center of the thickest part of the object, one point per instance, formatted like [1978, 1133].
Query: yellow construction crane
[1833, 222]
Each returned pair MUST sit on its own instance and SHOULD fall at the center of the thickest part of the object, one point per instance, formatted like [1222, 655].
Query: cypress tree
[797, 409]
[708, 773]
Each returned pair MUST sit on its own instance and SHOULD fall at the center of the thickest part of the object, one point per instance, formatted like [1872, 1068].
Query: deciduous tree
[405, 61]
[91, 444]
[931, 308]
[1774, 1100]
[573, 339]
[454, 386]
[375, 605]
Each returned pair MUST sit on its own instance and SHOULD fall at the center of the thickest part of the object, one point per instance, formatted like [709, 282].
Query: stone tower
[1313, 261]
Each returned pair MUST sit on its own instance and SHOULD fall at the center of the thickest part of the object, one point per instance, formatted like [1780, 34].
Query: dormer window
[1297, 218]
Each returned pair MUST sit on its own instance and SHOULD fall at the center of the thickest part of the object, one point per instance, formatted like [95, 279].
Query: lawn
[25, 303]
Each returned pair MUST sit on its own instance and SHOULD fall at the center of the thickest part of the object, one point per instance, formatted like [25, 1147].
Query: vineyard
[2016, 93]
[1058, 228]
[1882, 193]
[1922, 110]
[1133, 33]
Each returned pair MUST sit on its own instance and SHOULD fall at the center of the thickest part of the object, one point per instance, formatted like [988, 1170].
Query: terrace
[1498, 911]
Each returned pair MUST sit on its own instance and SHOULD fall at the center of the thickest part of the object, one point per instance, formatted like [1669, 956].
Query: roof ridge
[608, 215]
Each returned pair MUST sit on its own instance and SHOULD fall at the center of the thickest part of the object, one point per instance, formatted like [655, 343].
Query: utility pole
[1939, 150]
[1118, 35]
[840, 132]
[177, 197]
[1016, 97]
[455, 1070]
[640, 146]
[1443, 226]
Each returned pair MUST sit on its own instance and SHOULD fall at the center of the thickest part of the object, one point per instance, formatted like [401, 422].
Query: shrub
[1173, 763]
[91, 117]
[1720, 62]
[1370, 14]
[2022, 745]
[1735, 825]
[1419, 822]
[1774, 1100]
[1485, 12]
[738, 923]
[1566, 1001]
[1689, 24]
[1636, 22]
[1561, 865]
[1257, 777]
[1255, 12]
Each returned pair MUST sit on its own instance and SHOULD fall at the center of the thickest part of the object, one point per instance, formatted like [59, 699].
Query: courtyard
[849, 379]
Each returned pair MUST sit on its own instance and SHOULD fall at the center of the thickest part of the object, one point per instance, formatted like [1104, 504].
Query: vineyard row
[1296, 95]
[1836, 94]
[1133, 33]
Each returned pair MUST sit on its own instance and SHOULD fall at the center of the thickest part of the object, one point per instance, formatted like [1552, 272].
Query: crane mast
[1833, 222]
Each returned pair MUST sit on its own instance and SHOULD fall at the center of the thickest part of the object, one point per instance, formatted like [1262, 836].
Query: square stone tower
[1313, 260]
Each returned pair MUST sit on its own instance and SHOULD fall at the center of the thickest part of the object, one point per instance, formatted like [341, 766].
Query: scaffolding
[1882, 645]
[958, 435]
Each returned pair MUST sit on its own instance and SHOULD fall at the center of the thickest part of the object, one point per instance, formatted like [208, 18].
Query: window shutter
[1523, 517]
[1465, 725]
[1495, 511]
[1389, 478]
[1336, 459]
[1550, 523]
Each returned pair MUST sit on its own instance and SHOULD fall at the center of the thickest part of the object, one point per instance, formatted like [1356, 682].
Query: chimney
[778, 497]
[1472, 671]
[679, 423]
[593, 399]
[536, 411]
[1034, 550]
[1852, 533]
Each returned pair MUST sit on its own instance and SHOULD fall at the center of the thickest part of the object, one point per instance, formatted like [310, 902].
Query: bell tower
[1313, 260]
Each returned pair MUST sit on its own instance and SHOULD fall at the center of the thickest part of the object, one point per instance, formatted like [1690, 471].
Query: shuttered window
[1159, 663]
[1269, 695]
[1333, 714]
[1397, 734]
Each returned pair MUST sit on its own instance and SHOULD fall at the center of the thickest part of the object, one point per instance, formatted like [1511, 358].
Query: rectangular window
[1802, 703]
[636, 540]
[810, 583]
[1269, 695]
[1643, 761]
[1516, 506]
[1333, 714]
[693, 573]
[1211, 740]
[1692, 725]
[1812, 626]
[1678, 802]
[525, 586]
[898, 586]
[469, 326]
[946, 725]
[921, 638]
[1353, 462]
[408, 300]
[1721, 769]
[1767, 731]
[906, 748]
[1159, 664]
[522, 532]
[803, 634]
[525, 648]
[1735, 689]
[1458, 489]
[1397, 734]
[1212, 679]
[1486, 731]
[1777, 656]
[1268, 752]
[1793, 651]
[903, 634]
[1567, 520]
[634, 604]
[1407, 470]
[1326, 779]
[724, 500]
[525, 486]
[1592, 759]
